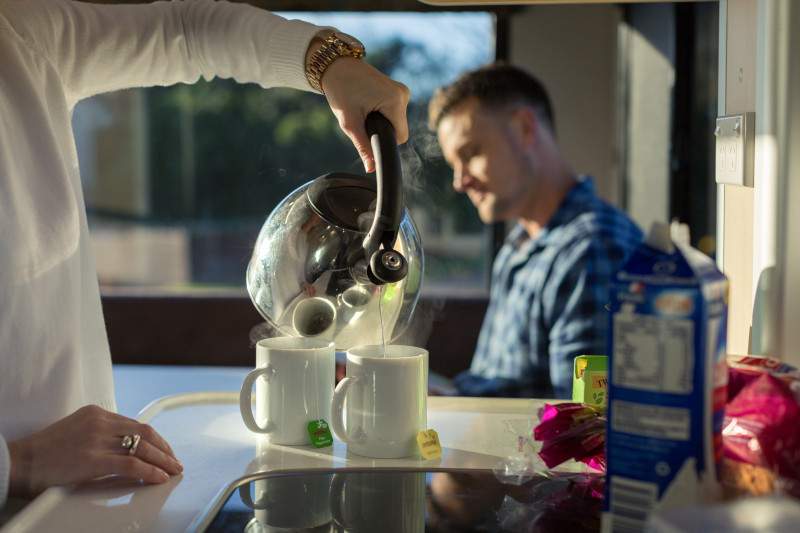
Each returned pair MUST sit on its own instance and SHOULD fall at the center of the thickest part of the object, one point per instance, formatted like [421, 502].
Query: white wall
[648, 52]
[572, 50]
[787, 309]
[769, 208]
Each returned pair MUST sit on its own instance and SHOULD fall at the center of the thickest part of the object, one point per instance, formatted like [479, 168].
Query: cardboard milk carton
[667, 382]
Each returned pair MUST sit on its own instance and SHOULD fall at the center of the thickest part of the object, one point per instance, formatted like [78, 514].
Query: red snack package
[746, 368]
[761, 426]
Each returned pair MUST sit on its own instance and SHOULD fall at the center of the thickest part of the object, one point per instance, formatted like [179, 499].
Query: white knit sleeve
[5, 471]
[103, 47]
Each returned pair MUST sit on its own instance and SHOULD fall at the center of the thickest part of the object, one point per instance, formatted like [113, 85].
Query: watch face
[349, 40]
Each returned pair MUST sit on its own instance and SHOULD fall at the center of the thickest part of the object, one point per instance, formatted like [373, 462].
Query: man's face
[487, 150]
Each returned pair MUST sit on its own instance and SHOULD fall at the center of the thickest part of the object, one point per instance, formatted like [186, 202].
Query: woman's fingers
[149, 448]
[146, 434]
[354, 89]
[85, 445]
[135, 468]
[156, 456]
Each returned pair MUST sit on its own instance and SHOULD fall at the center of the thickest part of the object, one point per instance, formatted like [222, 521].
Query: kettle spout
[387, 266]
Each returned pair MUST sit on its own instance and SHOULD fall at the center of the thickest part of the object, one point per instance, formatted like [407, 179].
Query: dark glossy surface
[407, 501]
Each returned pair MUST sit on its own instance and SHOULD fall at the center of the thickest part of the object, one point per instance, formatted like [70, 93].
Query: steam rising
[261, 331]
[421, 149]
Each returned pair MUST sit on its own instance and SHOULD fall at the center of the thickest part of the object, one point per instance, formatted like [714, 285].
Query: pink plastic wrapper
[761, 425]
[561, 417]
[572, 431]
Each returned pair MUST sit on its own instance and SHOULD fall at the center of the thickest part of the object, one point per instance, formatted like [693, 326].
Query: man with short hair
[550, 278]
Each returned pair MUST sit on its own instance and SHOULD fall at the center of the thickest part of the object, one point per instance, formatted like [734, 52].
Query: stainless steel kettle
[340, 255]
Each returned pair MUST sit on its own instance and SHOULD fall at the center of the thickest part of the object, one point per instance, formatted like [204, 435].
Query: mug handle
[258, 504]
[335, 499]
[244, 494]
[337, 410]
[245, 399]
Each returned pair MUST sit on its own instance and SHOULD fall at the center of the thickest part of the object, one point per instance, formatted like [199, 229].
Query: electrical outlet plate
[735, 149]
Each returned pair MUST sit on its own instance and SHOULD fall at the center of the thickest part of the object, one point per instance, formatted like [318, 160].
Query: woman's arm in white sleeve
[94, 48]
[100, 47]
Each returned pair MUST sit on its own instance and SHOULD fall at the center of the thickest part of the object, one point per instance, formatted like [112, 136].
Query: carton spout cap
[659, 238]
[680, 233]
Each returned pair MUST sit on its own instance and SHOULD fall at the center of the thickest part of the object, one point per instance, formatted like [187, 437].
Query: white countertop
[196, 410]
[136, 386]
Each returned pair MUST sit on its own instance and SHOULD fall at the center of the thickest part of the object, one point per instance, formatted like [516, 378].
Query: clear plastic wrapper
[557, 463]
[563, 437]
[563, 502]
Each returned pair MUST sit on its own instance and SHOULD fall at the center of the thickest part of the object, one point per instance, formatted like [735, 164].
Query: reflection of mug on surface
[379, 501]
[296, 386]
[387, 400]
[295, 501]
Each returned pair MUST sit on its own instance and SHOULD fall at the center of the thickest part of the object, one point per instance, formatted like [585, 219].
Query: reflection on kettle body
[331, 273]
[313, 316]
[317, 242]
[325, 251]
[354, 301]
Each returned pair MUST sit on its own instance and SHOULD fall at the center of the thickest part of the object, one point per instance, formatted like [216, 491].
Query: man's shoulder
[587, 214]
[600, 220]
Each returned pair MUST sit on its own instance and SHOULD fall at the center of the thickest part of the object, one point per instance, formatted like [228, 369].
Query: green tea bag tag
[319, 433]
[429, 444]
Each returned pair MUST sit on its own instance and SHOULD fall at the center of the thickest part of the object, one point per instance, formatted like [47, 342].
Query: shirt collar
[574, 203]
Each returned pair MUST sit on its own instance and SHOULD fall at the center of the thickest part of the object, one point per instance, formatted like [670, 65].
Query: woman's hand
[354, 89]
[86, 445]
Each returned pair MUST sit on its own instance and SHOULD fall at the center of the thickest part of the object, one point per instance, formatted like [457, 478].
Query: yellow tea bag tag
[429, 444]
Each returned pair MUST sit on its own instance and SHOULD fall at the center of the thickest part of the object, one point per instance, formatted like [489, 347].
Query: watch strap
[332, 48]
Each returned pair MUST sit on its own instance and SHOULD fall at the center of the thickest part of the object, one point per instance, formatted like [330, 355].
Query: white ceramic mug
[293, 501]
[296, 386]
[385, 501]
[387, 401]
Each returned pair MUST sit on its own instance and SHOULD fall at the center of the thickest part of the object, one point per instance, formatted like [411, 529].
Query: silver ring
[130, 443]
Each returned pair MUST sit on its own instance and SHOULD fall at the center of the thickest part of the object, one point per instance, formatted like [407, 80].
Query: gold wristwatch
[336, 45]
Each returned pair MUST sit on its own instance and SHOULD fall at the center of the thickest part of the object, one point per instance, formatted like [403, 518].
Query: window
[179, 180]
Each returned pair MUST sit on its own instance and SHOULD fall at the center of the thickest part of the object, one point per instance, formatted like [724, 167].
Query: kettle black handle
[386, 265]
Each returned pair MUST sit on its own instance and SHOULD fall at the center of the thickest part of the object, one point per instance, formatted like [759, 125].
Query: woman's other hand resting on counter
[93, 442]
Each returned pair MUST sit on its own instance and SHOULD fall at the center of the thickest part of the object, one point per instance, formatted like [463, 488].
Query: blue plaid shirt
[548, 299]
